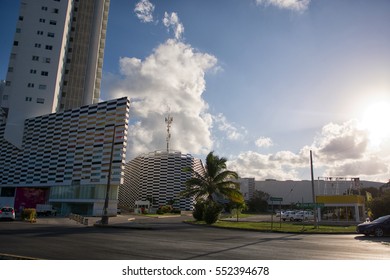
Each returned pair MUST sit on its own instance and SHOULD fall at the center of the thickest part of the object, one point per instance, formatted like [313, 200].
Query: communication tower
[168, 121]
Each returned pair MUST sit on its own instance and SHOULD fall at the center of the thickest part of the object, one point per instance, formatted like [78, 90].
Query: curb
[15, 257]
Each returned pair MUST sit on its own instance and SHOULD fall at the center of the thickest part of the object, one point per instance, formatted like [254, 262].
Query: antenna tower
[168, 121]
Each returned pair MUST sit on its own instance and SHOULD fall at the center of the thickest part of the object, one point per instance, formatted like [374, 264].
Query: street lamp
[104, 220]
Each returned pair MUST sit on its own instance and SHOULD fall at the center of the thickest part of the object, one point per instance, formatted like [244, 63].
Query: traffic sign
[309, 205]
[276, 198]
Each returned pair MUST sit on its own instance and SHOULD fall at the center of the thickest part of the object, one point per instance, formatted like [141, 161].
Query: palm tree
[214, 182]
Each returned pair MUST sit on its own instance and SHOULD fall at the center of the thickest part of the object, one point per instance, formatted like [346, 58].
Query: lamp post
[104, 220]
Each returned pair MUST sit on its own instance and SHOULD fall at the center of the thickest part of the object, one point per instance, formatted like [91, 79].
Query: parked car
[303, 216]
[288, 215]
[7, 213]
[278, 213]
[378, 227]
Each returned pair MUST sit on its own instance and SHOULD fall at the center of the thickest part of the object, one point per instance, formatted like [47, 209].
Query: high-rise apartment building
[56, 60]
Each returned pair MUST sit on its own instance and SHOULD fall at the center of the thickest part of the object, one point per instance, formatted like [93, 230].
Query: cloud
[338, 149]
[231, 131]
[172, 78]
[144, 10]
[172, 21]
[264, 142]
[296, 5]
[337, 142]
[261, 167]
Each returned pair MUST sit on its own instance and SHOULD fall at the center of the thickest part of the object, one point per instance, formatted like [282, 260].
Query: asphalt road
[181, 241]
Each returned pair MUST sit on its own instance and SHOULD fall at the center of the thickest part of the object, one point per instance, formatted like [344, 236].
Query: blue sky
[261, 82]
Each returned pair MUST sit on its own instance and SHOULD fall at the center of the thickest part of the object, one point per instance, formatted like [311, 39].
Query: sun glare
[376, 120]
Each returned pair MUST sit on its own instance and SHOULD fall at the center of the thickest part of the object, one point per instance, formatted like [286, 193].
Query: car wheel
[378, 232]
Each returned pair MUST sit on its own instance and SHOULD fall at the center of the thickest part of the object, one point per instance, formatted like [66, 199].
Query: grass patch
[285, 227]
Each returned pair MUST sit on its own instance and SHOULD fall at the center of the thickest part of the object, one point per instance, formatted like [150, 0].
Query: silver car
[7, 213]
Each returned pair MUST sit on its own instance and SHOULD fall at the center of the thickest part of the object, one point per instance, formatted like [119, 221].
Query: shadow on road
[262, 240]
[372, 239]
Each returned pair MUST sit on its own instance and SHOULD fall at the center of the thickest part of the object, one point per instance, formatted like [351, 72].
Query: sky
[260, 82]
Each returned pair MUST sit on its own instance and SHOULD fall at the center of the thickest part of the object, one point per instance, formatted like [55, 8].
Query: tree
[258, 201]
[380, 206]
[216, 182]
[213, 184]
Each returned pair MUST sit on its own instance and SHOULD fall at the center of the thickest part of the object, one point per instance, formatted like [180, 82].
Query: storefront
[343, 208]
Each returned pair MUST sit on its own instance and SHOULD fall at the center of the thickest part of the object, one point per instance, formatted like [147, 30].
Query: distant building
[334, 194]
[157, 177]
[247, 187]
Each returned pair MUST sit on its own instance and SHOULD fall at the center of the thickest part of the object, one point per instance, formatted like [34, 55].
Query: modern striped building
[66, 158]
[159, 178]
[58, 145]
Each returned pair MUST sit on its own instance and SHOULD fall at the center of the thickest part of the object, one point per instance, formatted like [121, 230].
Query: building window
[7, 192]
[33, 71]
[21, 18]
[42, 86]
[39, 32]
[44, 8]
[44, 73]
[30, 85]
[35, 58]
[13, 56]
[5, 97]
[50, 34]
[42, 20]
[37, 45]
[55, 11]
[46, 59]
[10, 69]
[18, 30]
[16, 43]
[41, 100]
[48, 47]
[53, 22]
[28, 99]
[8, 83]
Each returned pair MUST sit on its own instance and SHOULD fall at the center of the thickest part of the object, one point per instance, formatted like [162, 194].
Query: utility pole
[104, 220]
[312, 189]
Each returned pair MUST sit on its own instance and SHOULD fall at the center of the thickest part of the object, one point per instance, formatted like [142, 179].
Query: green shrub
[212, 212]
[164, 209]
[198, 211]
[29, 214]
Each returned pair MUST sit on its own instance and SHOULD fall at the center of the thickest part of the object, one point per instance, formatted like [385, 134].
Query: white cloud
[264, 142]
[260, 166]
[172, 21]
[144, 10]
[297, 5]
[172, 78]
[231, 131]
[342, 141]
[339, 150]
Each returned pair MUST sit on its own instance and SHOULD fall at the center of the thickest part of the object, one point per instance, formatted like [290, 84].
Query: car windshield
[381, 219]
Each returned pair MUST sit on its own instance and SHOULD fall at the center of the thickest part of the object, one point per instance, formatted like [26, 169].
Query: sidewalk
[130, 221]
